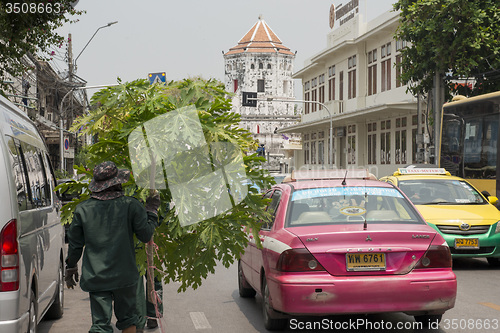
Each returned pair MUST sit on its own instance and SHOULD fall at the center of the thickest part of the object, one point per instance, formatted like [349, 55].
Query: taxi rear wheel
[272, 324]
[243, 287]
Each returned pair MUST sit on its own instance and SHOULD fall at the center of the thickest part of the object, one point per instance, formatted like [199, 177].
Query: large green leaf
[126, 112]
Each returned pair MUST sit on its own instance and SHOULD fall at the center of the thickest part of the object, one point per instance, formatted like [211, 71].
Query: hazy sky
[186, 38]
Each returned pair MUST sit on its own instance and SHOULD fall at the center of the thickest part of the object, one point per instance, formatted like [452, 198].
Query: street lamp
[270, 99]
[104, 26]
[61, 130]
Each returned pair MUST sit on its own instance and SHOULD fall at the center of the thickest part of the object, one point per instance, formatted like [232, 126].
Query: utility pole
[61, 121]
[70, 58]
[438, 105]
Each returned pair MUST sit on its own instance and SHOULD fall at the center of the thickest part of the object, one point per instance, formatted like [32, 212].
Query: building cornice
[364, 114]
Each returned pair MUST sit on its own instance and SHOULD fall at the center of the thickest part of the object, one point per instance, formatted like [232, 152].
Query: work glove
[71, 277]
[153, 202]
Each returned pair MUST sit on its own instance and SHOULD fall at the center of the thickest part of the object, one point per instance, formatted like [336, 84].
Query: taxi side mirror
[493, 200]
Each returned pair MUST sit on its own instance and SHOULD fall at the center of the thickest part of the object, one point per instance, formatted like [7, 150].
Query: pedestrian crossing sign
[160, 77]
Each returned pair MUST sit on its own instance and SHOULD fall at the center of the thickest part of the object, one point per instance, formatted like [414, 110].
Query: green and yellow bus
[469, 140]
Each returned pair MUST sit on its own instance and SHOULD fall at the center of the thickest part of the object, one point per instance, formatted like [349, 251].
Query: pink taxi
[341, 243]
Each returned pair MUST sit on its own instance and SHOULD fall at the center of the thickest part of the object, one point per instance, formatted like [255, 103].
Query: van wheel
[32, 325]
[56, 310]
[243, 287]
[272, 324]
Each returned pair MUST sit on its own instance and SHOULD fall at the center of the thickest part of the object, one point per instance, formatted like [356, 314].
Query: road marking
[492, 305]
[199, 320]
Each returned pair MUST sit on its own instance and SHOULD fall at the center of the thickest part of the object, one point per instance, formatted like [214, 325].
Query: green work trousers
[101, 304]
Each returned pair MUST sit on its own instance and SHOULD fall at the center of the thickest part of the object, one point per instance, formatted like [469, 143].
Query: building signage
[343, 13]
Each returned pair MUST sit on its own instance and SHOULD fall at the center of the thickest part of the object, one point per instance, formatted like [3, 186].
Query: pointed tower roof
[260, 39]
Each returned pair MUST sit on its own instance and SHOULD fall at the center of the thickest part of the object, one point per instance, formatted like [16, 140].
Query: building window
[261, 65]
[372, 143]
[385, 142]
[307, 105]
[307, 85]
[398, 71]
[414, 132]
[321, 89]
[385, 52]
[351, 144]
[260, 85]
[400, 44]
[331, 83]
[341, 85]
[321, 152]
[351, 77]
[400, 143]
[313, 148]
[372, 72]
[386, 75]
[313, 152]
[306, 148]
[314, 98]
[268, 66]
[235, 84]
[286, 85]
[252, 66]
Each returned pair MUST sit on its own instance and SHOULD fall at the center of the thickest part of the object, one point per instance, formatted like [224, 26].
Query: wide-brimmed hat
[106, 175]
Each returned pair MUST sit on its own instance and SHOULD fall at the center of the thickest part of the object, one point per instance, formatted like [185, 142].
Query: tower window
[260, 86]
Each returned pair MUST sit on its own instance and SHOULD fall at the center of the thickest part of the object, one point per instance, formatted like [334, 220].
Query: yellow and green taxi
[469, 222]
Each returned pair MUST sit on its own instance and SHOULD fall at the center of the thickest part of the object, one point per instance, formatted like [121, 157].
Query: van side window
[37, 179]
[46, 181]
[23, 197]
[50, 176]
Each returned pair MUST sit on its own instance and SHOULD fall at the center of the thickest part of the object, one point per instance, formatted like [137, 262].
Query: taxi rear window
[340, 205]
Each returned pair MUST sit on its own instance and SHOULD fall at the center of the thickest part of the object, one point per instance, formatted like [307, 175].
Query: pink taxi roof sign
[326, 174]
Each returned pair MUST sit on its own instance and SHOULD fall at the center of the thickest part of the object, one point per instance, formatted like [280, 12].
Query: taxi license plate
[365, 262]
[466, 243]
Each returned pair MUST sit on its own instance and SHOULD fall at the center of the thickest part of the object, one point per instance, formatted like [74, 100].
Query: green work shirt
[104, 231]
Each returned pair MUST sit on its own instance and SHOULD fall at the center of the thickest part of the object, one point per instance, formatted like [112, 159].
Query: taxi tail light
[298, 260]
[9, 257]
[437, 256]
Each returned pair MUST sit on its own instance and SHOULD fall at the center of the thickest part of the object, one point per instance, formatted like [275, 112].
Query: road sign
[160, 77]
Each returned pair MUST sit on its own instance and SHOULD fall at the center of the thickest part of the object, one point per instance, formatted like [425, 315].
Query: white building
[261, 64]
[375, 122]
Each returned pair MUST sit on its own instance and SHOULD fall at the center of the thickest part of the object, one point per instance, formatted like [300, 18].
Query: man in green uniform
[103, 229]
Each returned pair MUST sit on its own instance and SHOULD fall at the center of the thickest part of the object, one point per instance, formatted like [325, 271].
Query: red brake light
[9, 259]
[298, 260]
[437, 256]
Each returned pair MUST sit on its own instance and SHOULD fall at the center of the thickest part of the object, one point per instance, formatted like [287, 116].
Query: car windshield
[441, 192]
[346, 205]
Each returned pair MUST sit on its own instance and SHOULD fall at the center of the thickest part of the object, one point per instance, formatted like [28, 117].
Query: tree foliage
[30, 27]
[185, 254]
[460, 37]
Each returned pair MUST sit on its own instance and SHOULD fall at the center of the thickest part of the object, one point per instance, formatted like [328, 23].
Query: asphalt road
[217, 307]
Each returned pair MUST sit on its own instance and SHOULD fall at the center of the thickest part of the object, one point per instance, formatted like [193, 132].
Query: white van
[31, 234]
